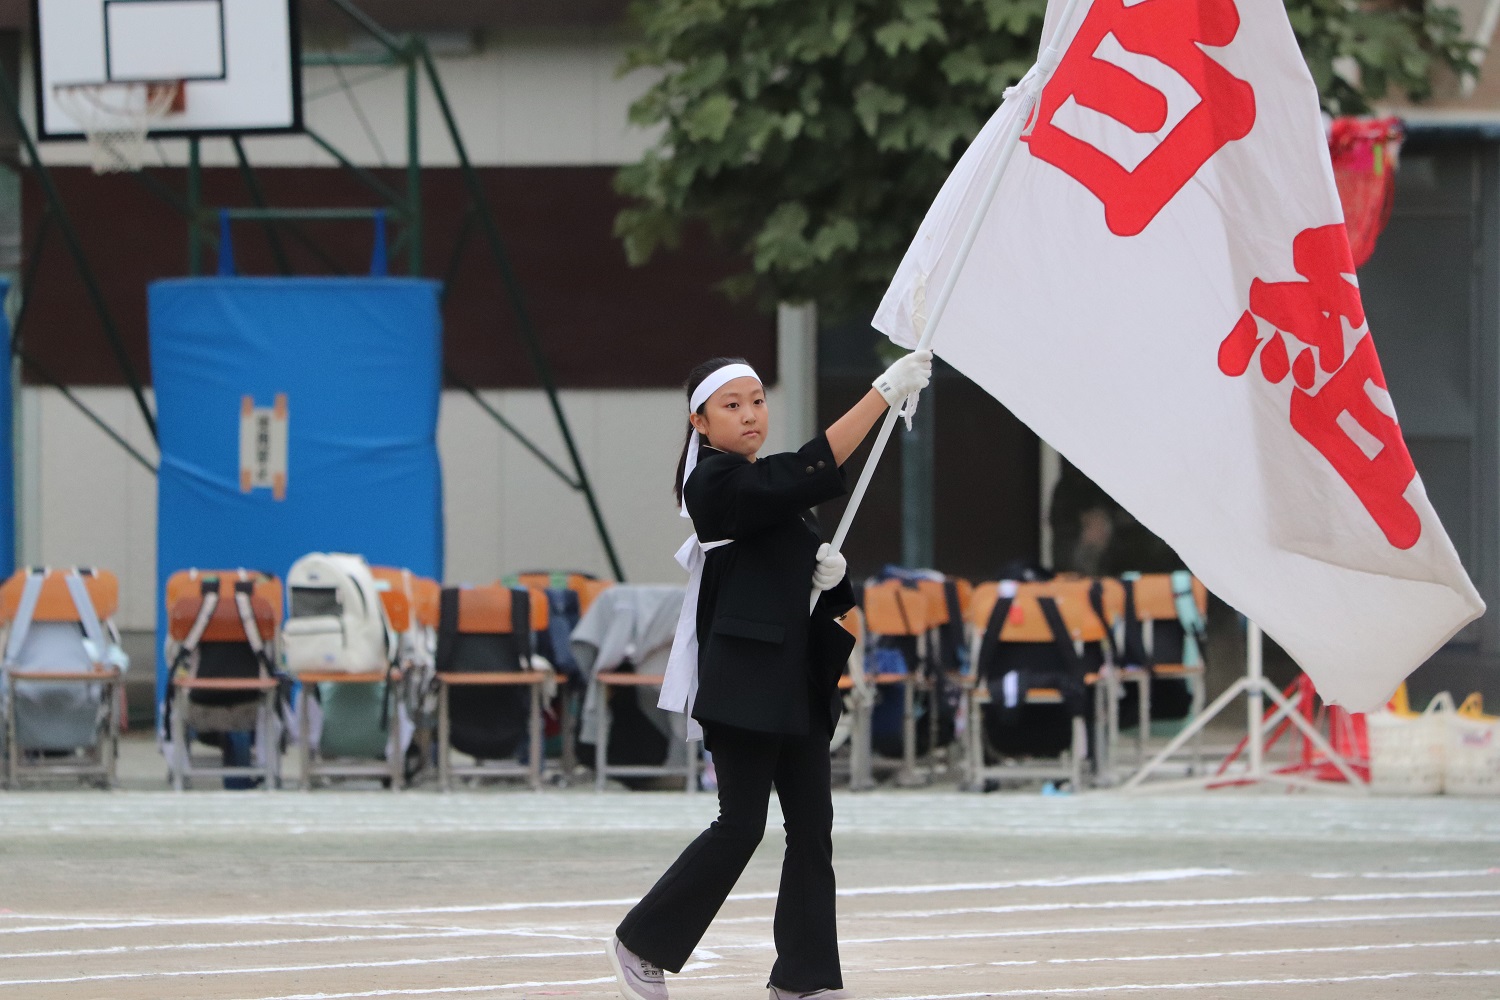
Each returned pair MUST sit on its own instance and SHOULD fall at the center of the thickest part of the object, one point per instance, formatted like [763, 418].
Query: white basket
[1408, 752]
[1472, 765]
[117, 118]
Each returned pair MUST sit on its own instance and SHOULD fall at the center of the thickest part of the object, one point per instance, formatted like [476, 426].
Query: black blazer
[763, 663]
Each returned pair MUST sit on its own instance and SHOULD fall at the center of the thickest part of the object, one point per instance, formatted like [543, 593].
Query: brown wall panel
[601, 322]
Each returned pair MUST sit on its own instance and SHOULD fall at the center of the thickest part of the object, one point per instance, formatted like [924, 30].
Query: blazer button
[810, 470]
[822, 464]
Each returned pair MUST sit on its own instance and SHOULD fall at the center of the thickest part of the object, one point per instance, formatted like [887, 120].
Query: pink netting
[1365, 152]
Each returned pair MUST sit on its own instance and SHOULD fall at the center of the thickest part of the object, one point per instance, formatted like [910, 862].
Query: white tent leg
[1256, 688]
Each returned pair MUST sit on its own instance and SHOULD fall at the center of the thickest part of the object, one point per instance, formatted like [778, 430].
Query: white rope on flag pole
[1029, 89]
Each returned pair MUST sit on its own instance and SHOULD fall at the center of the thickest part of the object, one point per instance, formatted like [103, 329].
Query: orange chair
[859, 705]
[940, 613]
[567, 705]
[1095, 608]
[586, 587]
[1026, 622]
[484, 651]
[892, 609]
[1171, 613]
[405, 684]
[71, 691]
[224, 629]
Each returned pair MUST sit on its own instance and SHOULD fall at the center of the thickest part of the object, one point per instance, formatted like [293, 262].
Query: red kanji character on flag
[1170, 31]
[1361, 441]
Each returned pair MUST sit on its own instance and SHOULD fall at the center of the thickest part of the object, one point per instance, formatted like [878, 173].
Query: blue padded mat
[360, 363]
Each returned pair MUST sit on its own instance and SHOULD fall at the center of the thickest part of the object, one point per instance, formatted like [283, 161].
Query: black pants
[667, 925]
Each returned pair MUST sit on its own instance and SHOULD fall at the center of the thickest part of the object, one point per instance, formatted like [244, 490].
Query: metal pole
[413, 163]
[1255, 705]
[518, 302]
[1009, 140]
[195, 205]
[916, 489]
[257, 196]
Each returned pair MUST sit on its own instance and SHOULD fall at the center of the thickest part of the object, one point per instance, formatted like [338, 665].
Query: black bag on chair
[485, 630]
[1013, 727]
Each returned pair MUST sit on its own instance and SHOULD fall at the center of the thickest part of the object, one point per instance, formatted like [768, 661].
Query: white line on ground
[1145, 928]
[1462, 873]
[766, 944]
[1199, 956]
[287, 942]
[435, 990]
[1170, 903]
[271, 921]
[261, 970]
[1223, 984]
[79, 923]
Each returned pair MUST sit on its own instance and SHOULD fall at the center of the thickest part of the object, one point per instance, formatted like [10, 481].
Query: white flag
[1162, 289]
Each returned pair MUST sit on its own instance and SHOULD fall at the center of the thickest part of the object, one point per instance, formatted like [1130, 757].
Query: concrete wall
[85, 501]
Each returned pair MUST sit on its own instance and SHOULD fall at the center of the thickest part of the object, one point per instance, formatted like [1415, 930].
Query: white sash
[679, 688]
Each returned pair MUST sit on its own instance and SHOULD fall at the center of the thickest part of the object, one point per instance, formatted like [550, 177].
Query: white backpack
[337, 621]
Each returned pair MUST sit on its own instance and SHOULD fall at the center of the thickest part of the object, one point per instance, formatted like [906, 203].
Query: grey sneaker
[780, 994]
[639, 979]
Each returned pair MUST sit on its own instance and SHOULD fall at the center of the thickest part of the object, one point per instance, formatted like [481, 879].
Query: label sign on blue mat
[263, 437]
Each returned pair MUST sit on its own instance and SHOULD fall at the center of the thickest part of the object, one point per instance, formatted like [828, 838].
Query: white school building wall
[84, 501]
[521, 98]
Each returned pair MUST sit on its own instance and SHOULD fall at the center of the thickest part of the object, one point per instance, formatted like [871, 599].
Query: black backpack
[1032, 730]
[487, 723]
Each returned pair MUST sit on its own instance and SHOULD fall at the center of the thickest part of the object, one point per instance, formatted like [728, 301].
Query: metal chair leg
[266, 738]
[909, 732]
[114, 688]
[1143, 742]
[534, 732]
[394, 758]
[181, 759]
[974, 737]
[445, 752]
[861, 768]
[601, 733]
[304, 741]
[12, 750]
[1079, 752]
[568, 710]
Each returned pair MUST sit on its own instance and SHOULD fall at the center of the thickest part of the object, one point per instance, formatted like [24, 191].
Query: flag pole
[1010, 139]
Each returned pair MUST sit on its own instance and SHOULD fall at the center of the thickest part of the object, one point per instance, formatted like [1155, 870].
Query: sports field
[335, 894]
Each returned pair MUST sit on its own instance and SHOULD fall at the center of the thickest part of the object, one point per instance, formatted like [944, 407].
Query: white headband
[715, 381]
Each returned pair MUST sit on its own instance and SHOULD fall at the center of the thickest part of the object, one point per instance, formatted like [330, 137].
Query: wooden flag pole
[1029, 92]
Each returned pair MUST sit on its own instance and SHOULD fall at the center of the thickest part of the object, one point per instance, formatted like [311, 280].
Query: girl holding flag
[756, 675]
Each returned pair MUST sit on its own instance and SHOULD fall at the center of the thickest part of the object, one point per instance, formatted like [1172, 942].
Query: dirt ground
[209, 895]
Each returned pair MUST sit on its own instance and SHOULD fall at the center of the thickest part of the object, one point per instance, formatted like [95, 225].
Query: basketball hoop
[116, 118]
[1365, 152]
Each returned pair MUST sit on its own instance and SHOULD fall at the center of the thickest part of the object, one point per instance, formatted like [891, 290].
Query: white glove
[909, 375]
[830, 569]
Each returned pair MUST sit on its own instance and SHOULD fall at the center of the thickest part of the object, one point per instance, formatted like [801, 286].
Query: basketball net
[117, 118]
[1365, 152]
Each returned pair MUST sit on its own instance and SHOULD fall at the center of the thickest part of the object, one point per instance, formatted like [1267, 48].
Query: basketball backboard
[237, 60]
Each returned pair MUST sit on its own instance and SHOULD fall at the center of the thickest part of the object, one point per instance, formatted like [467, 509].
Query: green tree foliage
[813, 134]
